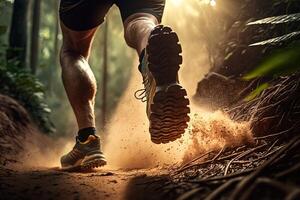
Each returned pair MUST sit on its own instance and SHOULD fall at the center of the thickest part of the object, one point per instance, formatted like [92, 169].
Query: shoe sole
[93, 161]
[88, 163]
[169, 111]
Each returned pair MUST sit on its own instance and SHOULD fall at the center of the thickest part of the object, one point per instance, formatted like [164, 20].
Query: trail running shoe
[167, 104]
[84, 156]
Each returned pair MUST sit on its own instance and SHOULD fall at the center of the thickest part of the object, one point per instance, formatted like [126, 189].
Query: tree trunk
[18, 33]
[55, 58]
[104, 81]
[34, 48]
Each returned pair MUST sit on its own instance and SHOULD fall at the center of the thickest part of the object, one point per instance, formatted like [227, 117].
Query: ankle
[84, 133]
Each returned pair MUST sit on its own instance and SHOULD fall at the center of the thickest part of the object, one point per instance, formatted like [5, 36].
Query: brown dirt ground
[98, 184]
[20, 182]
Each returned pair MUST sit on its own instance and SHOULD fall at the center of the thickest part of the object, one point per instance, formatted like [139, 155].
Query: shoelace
[142, 94]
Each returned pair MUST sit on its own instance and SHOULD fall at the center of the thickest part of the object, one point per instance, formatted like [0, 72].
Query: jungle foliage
[18, 83]
[24, 87]
[256, 41]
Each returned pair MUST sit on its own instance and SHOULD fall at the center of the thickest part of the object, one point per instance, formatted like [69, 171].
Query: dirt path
[99, 184]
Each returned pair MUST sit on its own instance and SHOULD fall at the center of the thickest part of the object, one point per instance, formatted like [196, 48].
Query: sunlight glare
[213, 3]
[176, 2]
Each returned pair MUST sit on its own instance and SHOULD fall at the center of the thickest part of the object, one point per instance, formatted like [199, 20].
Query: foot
[84, 156]
[167, 104]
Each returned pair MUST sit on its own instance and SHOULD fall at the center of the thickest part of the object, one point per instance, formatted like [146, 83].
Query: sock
[84, 133]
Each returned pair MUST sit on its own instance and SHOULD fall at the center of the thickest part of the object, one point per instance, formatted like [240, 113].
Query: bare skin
[78, 78]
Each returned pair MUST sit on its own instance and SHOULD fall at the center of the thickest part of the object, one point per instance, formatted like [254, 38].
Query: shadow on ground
[101, 184]
[147, 188]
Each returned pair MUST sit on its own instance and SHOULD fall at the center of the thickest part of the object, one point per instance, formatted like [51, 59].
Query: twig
[218, 154]
[223, 178]
[288, 171]
[195, 159]
[242, 155]
[260, 158]
[293, 195]
[272, 135]
[264, 181]
[206, 162]
[189, 194]
[248, 180]
[222, 189]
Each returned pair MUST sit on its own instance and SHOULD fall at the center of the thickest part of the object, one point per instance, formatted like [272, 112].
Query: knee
[74, 65]
[76, 74]
[69, 58]
[139, 23]
[129, 32]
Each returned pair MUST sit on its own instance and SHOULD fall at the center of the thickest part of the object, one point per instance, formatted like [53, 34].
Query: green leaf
[23, 86]
[3, 29]
[47, 110]
[278, 40]
[284, 62]
[256, 92]
[277, 19]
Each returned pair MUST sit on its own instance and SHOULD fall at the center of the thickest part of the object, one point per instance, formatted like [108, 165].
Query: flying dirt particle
[113, 181]
[213, 131]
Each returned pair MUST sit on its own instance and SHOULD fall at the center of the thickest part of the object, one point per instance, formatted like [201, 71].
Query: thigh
[81, 15]
[77, 42]
[130, 7]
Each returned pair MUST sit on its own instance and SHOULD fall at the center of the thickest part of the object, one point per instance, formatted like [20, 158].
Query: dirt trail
[127, 146]
[99, 184]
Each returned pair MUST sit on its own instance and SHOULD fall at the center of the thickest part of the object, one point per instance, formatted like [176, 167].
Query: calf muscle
[78, 78]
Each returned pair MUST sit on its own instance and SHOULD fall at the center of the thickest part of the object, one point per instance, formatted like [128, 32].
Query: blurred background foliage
[43, 92]
[252, 43]
[17, 82]
[282, 62]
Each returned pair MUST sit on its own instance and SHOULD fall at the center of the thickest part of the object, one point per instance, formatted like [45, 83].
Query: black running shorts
[82, 15]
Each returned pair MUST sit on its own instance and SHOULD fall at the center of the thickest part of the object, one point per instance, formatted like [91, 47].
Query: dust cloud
[211, 131]
[129, 146]
[42, 151]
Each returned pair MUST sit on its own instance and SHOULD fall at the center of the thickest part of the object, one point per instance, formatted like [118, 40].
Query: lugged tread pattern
[169, 116]
[164, 55]
[87, 166]
[169, 110]
[93, 164]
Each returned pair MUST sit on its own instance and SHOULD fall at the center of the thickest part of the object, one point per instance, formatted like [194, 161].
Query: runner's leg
[79, 21]
[167, 104]
[78, 78]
